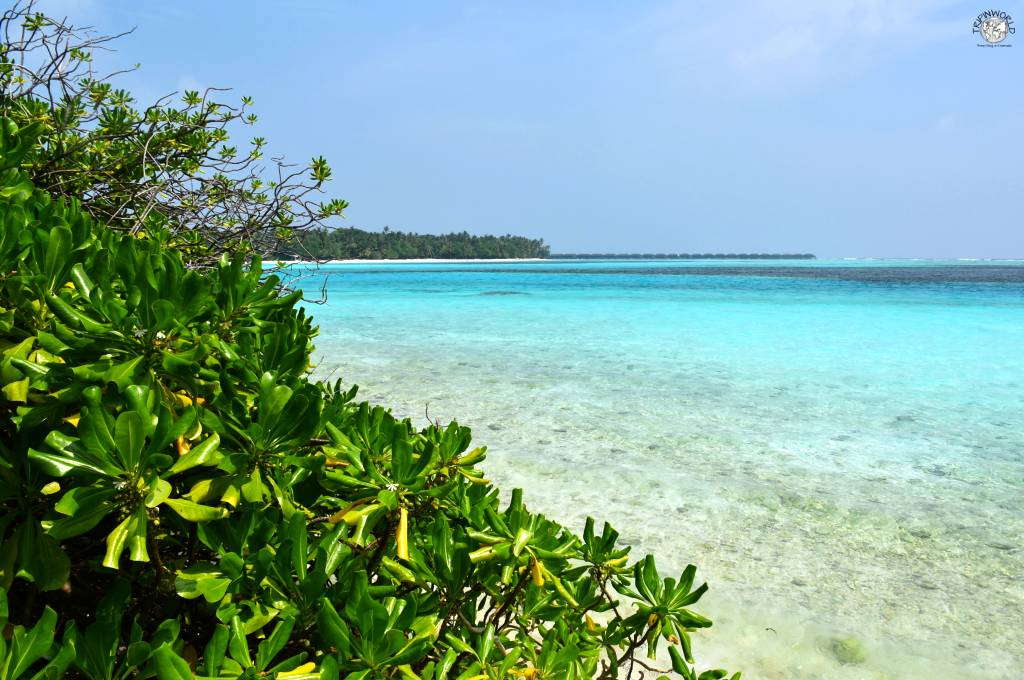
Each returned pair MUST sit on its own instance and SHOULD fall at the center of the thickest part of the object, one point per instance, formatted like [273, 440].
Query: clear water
[839, 446]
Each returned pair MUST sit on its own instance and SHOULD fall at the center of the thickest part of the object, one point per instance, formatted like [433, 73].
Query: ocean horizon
[836, 444]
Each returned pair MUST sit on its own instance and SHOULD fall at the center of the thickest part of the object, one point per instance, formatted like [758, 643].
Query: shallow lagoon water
[838, 446]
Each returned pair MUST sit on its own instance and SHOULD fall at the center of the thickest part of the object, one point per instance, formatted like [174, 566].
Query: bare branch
[167, 169]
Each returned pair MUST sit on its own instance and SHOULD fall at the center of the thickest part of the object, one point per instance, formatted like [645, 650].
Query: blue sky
[847, 128]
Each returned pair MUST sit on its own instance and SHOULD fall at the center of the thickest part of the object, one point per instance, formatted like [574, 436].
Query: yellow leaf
[402, 535]
[536, 573]
[307, 667]
[17, 391]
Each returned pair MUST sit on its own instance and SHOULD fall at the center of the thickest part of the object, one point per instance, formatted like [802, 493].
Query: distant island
[356, 244]
[682, 256]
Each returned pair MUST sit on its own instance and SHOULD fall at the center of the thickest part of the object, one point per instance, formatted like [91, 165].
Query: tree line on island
[358, 244]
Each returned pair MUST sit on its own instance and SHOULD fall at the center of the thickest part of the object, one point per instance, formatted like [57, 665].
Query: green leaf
[194, 512]
[401, 454]
[81, 280]
[205, 453]
[73, 317]
[274, 400]
[388, 498]
[360, 675]
[522, 538]
[84, 518]
[32, 370]
[509, 661]
[203, 580]
[238, 645]
[137, 536]
[713, 674]
[41, 559]
[685, 583]
[300, 546]
[129, 437]
[213, 655]
[58, 664]
[159, 490]
[678, 664]
[170, 666]
[640, 577]
[442, 542]
[28, 647]
[458, 644]
[486, 643]
[94, 429]
[345, 445]
[270, 647]
[58, 465]
[691, 598]
[137, 653]
[163, 315]
[446, 663]
[123, 374]
[57, 251]
[333, 628]
[329, 668]
[116, 541]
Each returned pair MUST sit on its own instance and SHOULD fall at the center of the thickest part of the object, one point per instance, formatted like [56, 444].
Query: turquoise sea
[838, 445]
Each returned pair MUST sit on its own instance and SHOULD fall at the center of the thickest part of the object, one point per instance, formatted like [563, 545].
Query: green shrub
[180, 499]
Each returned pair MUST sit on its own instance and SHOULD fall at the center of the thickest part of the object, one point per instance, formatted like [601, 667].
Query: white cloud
[768, 43]
[789, 44]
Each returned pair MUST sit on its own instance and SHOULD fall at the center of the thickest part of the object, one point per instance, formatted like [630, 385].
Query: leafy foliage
[167, 169]
[179, 499]
[351, 243]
